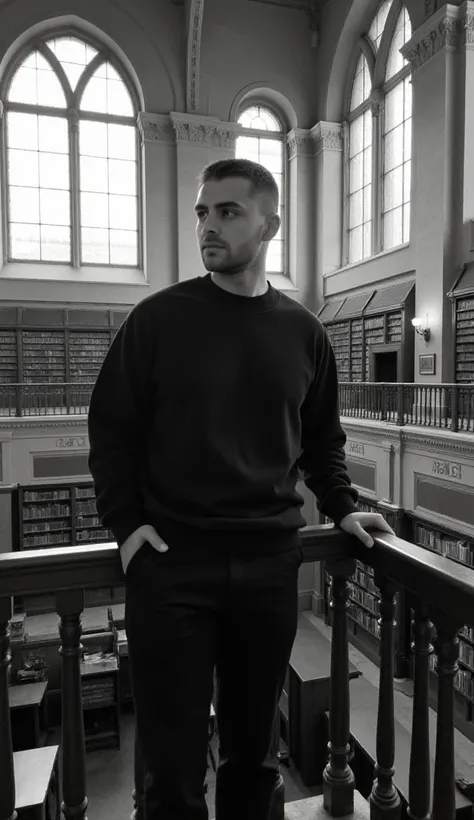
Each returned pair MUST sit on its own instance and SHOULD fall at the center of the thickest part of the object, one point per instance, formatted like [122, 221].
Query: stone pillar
[199, 141]
[301, 152]
[160, 226]
[434, 52]
[327, 139]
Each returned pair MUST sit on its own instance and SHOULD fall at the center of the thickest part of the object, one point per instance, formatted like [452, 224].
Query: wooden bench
[364, 706]
[36, 782]
[305, 700]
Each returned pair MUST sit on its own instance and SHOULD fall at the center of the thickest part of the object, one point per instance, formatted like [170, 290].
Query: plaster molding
[377, 102]
[441, 31]
[468, 8]
[459, 448]
[408, 436]
[196, 12]
[209, 132]
[34, 422]
[327, 136]
[155, 128]
[299, 143]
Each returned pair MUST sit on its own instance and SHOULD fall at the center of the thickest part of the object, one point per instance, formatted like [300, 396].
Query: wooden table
[26, 701]
[36, 779]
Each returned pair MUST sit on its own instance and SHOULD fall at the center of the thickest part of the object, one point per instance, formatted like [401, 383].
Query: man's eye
[227, 213]
[200, 214]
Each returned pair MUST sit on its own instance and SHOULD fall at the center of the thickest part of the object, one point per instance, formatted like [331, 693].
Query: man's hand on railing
[145, 534]
[357, 523]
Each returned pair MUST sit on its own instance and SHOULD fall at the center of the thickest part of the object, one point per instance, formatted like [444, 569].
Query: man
[216, 395]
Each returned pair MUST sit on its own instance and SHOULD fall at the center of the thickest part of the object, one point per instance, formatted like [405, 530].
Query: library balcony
[366, 765]
[442, 406]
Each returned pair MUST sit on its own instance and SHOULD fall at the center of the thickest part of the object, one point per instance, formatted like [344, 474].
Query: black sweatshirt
[208, 408]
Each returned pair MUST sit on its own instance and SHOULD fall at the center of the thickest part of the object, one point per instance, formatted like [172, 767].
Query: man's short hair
[262, 181]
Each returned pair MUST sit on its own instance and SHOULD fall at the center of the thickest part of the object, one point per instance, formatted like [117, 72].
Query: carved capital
[441, 31]
[327, 136]
[155, 128]
[469, 25]
[209, 135]
[300, 144]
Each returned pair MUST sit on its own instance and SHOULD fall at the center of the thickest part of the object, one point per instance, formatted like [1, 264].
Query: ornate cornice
[155, 128]
[35, 422]
[309, 143]
[208, 132]
[196, 11]
[442, 30]
[327, 136]
[460, 447]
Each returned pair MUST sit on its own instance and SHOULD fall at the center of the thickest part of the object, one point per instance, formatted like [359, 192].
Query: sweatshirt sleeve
[322, 460]
[118, 421]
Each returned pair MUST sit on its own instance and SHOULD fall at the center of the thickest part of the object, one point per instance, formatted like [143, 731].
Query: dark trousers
[226, 603]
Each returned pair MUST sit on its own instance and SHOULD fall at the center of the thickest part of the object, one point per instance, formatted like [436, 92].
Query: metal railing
[445, 406]
[441, 592]
[45, 399]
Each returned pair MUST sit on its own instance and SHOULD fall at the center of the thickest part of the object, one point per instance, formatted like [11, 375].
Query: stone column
[327, 140]
[434, 52]
[160, 222]
[300, 200]
[199, 141]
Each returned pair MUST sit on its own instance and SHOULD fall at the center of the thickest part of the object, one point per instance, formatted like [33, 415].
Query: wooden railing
[442, 593]
[48, 399]
[448, 406]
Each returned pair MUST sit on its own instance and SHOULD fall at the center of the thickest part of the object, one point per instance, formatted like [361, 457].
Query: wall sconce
[422, 328]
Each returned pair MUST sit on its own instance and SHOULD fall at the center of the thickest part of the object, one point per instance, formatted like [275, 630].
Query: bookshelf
[55, 345]
[352, 340]
[8, 356]
[101, 700]
[43, 355]
[464, 341]
[460, 549]
[59, 515]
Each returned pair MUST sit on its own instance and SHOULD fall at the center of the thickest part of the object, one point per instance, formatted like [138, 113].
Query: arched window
[378, 154]
[72, 156]
[264, 143]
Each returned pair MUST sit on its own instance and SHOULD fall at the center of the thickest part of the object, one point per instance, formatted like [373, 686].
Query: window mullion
[74, 188]
[347, 192]
[377, 100]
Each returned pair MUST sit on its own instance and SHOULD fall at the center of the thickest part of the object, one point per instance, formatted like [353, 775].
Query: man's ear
[272, 227]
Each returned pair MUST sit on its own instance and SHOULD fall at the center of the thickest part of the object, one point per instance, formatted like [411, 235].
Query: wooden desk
[36, 780]
[26, 701]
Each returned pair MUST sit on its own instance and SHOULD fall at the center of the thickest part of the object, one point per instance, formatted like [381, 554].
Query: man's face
[232, 225]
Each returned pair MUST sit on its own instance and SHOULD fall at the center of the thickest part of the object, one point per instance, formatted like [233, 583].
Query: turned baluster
[69, 606]
[447, 650]
[420, 780]
[385, 803]
[7, 778]
[338, 778]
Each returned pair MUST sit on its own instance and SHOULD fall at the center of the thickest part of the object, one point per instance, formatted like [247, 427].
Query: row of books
[368, 600]
[365, 619]
[46, 495]
[53, 511]
[449, 546]
[463, 681]
[47, 526]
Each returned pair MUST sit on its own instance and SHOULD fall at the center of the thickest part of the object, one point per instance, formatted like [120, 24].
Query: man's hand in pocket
[146, 534]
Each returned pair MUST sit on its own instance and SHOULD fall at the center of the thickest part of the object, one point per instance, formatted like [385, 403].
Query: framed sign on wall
[427, 364]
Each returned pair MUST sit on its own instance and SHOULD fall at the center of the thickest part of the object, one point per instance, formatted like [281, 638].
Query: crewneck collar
[241, 304]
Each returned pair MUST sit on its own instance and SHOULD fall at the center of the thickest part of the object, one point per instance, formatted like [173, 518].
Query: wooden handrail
[447, 590]
[440, 581]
